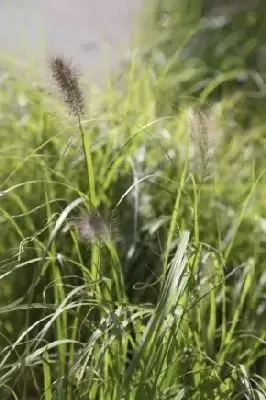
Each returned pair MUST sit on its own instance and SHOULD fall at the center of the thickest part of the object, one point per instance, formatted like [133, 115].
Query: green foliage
[133, 246]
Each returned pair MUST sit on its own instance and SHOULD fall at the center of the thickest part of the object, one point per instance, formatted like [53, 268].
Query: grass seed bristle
[93, 227]
[67, 80]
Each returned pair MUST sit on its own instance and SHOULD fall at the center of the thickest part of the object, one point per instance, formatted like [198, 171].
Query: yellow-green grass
[171, 304]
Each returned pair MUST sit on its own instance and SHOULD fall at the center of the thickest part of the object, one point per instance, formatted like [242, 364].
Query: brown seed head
[67, 80]
[93, 227]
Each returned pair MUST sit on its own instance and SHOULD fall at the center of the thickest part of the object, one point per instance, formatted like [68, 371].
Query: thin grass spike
[67, 79]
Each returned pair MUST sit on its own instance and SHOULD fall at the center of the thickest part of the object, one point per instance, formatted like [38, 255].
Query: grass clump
[133, 260]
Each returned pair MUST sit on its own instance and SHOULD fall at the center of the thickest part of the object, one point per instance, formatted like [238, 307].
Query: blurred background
[96, 34]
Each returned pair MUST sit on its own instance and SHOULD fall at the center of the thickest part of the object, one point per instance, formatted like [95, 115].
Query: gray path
[94, 33]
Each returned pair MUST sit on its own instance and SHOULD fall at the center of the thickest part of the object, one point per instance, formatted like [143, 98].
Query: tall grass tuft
[173, 307]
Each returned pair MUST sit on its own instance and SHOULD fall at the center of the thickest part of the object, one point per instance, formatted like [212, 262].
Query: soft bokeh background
[96, 34]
